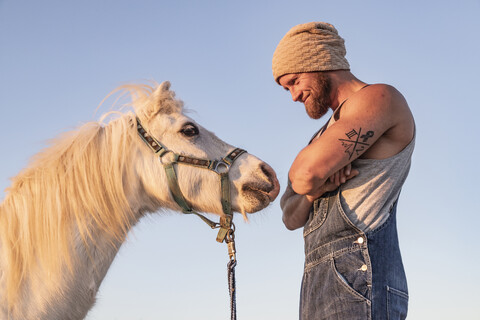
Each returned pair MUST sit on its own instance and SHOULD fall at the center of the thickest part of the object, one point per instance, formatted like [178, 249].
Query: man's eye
[189, 130]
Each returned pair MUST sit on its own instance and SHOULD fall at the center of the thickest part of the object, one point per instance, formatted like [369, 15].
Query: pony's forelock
[146, 100]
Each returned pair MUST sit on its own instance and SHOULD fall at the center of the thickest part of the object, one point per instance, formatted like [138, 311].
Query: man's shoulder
[380, 95]
[380, 99]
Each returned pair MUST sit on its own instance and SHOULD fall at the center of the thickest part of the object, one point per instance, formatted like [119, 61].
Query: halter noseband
[220, 167]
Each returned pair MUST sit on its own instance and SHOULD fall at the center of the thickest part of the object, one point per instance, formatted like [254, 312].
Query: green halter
[220, 167]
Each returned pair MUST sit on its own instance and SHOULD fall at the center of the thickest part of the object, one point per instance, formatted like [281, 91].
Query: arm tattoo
[356, 142]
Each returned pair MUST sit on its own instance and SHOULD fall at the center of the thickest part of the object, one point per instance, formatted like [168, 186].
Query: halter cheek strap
[221, 167]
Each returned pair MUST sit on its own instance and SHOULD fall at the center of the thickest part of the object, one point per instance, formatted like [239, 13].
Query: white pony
[66, 215]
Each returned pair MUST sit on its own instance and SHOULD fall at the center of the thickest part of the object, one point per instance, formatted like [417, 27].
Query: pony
[66, 214]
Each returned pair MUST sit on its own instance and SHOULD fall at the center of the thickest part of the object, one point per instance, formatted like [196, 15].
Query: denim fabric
[349, 274]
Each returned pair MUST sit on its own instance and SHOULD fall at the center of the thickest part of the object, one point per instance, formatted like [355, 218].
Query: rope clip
[230, 240]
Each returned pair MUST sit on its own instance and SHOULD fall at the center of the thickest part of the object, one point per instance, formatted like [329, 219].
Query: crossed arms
[376, 123]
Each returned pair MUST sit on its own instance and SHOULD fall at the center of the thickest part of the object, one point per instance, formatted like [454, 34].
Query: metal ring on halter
[221, 167]
[173, 158]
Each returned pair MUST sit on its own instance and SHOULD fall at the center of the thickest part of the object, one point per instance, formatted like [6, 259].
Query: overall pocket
[397, 304]
[353, 271]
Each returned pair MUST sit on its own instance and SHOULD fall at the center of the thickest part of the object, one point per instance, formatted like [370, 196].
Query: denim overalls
[350, 274]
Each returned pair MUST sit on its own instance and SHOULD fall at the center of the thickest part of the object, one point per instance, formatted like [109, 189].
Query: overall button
[363, 268]
[360, 240]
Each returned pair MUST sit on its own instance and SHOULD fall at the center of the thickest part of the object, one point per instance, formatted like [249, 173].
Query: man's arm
[378, 113]
[296, 207]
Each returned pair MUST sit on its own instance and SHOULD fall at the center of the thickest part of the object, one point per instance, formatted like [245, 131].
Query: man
[344, 186]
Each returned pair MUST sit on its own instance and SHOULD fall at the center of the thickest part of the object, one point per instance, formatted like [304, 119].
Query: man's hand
[334, 181]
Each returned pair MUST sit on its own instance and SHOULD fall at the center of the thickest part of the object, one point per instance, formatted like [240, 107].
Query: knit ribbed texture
[313, 46]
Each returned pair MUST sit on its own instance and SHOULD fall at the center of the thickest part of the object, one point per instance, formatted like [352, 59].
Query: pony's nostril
[270, 174]
[267, 171]
[274, 187]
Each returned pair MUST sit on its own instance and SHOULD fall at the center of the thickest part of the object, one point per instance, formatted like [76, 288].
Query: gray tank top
[368, 198]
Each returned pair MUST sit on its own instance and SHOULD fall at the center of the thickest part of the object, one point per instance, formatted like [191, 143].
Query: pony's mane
[76, 185]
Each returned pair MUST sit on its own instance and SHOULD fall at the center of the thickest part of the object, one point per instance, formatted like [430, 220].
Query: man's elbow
[287, 217]
[290, 223]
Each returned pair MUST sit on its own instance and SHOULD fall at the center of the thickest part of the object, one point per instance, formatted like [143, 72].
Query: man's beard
[319, 101]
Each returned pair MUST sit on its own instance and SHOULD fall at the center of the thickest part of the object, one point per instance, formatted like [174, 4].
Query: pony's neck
[95, 256]
[92, 247]
[76, 291]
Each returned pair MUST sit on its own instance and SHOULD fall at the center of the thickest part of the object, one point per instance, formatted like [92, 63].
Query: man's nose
[296, 95]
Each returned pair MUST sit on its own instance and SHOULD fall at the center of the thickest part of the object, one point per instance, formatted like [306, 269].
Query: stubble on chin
[318, 104]
[316, 110]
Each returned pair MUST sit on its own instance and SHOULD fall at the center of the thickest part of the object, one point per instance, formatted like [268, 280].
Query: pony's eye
[189, 130]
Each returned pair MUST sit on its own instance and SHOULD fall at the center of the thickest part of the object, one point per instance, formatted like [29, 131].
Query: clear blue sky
[58, 59]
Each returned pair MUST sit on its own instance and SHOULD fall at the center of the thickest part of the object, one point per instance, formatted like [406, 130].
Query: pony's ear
[160, 100]
[164, 86]
[163, 101]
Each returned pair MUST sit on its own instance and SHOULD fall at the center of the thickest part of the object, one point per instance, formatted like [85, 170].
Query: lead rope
[230, 240]
[231, 287]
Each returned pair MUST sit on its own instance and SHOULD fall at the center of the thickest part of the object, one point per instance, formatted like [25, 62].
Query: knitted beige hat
[313, 46]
